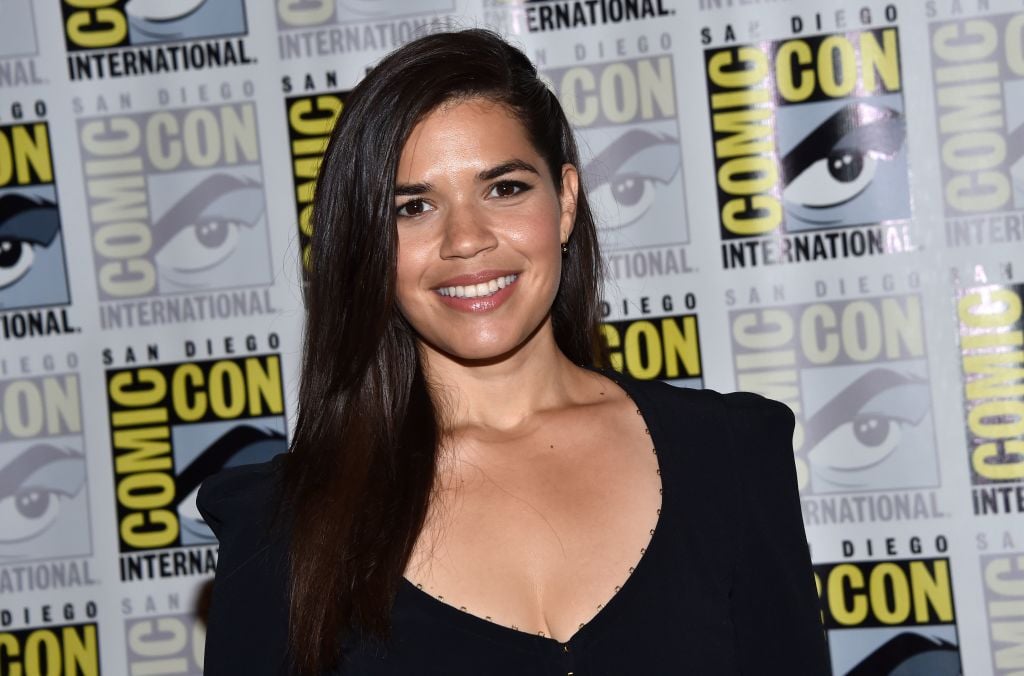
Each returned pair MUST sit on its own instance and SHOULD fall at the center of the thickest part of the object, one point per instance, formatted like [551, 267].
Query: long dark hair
[361, 471]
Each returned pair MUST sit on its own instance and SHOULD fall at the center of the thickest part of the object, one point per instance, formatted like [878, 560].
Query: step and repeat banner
[822, 202]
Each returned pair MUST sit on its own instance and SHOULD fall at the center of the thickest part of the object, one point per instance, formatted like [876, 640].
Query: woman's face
[480, 226]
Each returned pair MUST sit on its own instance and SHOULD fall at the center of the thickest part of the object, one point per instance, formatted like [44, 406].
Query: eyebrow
[409, 189]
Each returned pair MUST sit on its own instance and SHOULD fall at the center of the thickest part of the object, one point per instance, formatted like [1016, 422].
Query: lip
[479, 305]
[475, 278]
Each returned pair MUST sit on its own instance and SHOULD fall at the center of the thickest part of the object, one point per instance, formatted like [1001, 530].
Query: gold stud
[581, 626]
[515, 627]
[540, 633]
[419, 586]
[440, 598]
[617, 587]
[643, 550]
[659, 514]
[462, 608]
[631, 569]
[600, 606]
[488, 618]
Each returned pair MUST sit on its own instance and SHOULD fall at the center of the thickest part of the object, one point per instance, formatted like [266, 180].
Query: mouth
[479, 289]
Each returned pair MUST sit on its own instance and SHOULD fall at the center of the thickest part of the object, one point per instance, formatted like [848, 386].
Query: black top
[725, 585]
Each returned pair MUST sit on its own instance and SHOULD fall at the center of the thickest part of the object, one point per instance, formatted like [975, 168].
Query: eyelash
[519, 186]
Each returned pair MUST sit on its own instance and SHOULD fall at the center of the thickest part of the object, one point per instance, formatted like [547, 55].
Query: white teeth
[478, 290]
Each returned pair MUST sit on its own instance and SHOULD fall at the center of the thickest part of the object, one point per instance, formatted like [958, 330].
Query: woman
[463, 495]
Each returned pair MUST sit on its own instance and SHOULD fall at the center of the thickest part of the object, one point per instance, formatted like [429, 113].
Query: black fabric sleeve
[775, 607]
[247, 623]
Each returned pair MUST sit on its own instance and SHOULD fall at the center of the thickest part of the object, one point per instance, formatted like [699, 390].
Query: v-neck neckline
[500, 632]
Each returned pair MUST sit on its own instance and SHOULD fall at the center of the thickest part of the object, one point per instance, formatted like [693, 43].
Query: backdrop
[818, 201]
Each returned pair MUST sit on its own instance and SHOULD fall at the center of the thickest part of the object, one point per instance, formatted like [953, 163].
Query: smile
[481, 290]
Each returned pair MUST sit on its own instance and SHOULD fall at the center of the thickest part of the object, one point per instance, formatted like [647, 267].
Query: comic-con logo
[310, 120]
[32, 261]
[890, 617]
[657, 347]
[809, 146]
[626, 118]
[978, 85]
[165, 644]
[44, 502]
[171, 426]
[18, 44]
[123, 38]
[72, 649]
[1003, 576]
[992, 359]
[855, 374]
[176, 206]
[311, 28]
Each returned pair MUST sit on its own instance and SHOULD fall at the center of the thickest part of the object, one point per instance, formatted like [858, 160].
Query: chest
[540, 533]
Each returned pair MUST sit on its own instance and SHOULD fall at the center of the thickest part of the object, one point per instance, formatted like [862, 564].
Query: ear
[570, 189]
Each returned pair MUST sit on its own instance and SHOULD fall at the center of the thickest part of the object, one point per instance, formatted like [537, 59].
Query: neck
[504, 393]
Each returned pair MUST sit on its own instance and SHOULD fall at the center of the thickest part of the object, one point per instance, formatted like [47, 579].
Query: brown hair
[361, 471]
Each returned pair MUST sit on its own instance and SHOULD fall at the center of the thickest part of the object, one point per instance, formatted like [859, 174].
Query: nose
[467, 232]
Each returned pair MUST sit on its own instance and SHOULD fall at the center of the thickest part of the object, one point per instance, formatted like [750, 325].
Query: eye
[508, 188]
[862, 441]
[412, 208]
[204, 226]
[16, 257]
[832, 180]
[629, 174]
[33, 487]
[199, 246]
[28, 512]
[838, 159]
[627, 196]
[865, 424]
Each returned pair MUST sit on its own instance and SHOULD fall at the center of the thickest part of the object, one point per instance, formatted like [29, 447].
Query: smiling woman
[464, 492]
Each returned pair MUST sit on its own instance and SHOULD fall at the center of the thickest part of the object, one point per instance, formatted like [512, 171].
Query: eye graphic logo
[211, 233]
[809, 142]
[176, 203]
[31, 252]
[32, 271]
[627, 175]
[239, 445]
[114, 23]
[18, 29]
[854, 372]
[42, 502]
[44, 505]
[172, 425]
[624, 113]
[872, 434]
[848, 170]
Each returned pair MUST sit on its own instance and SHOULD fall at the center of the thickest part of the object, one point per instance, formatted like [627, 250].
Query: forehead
[471, 133]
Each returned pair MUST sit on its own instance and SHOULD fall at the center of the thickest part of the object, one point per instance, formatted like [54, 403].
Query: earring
[565, 248]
